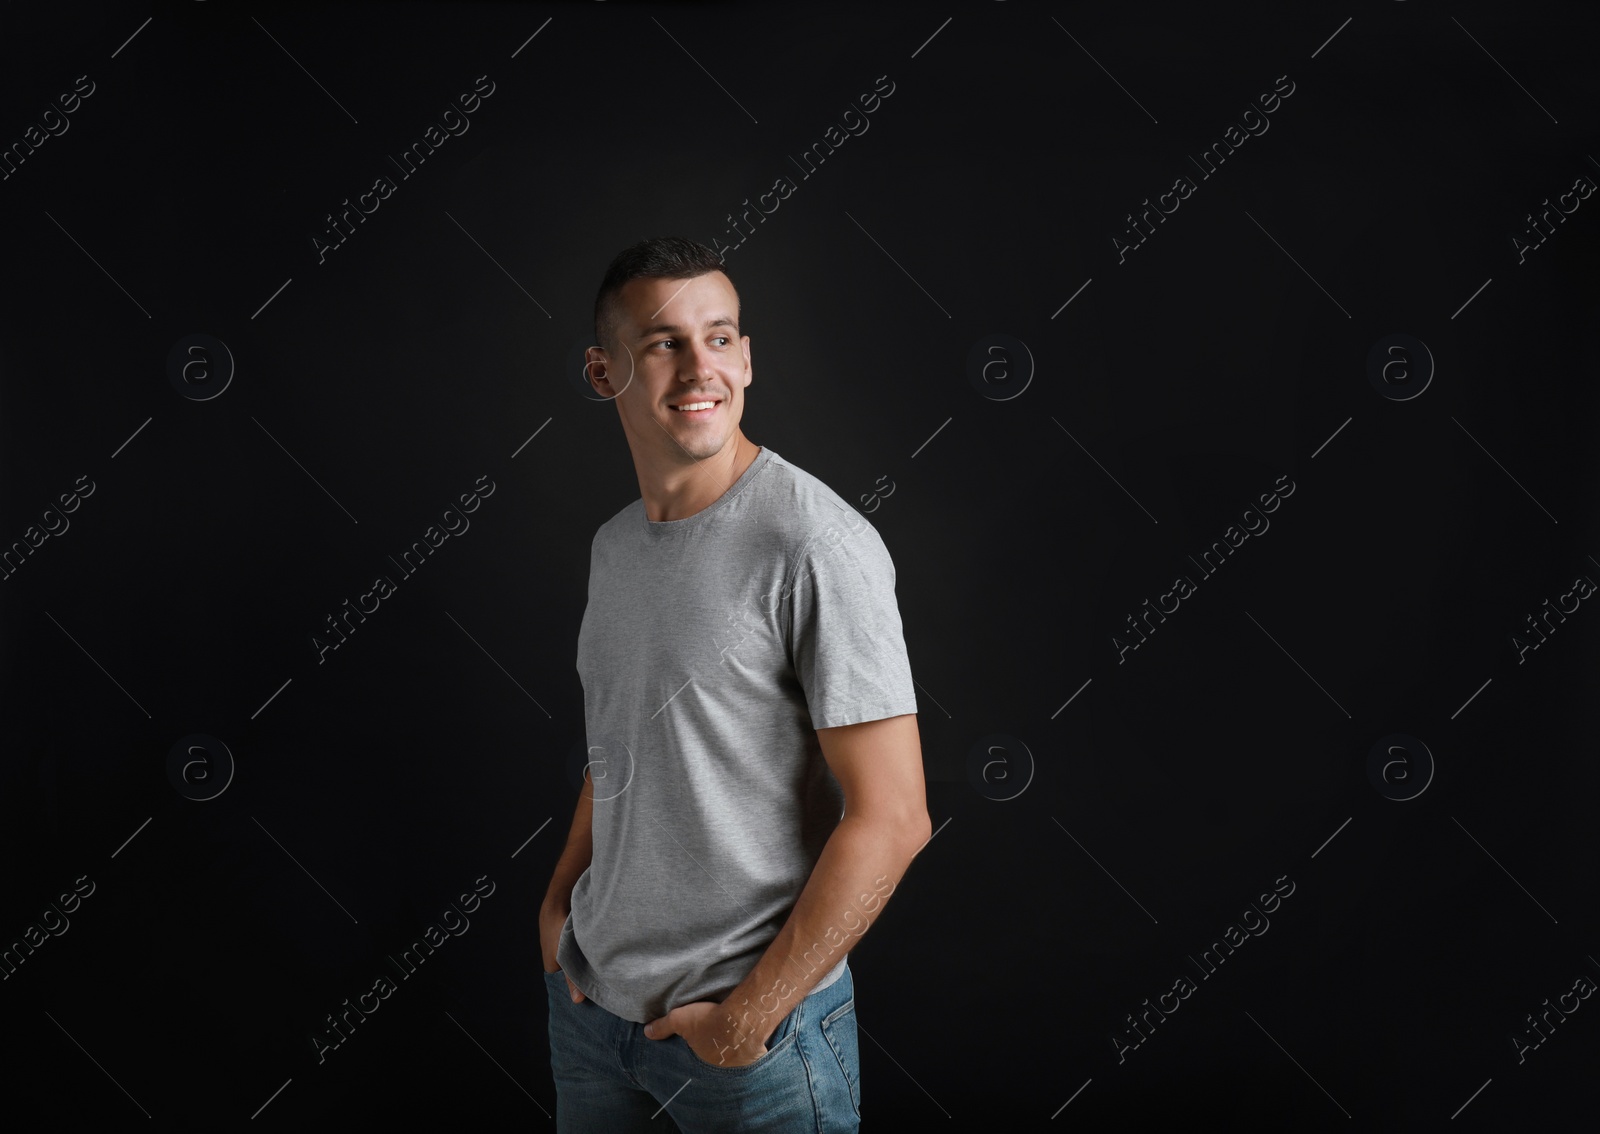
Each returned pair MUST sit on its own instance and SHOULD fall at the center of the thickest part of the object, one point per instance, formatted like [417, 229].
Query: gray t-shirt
[711, 650]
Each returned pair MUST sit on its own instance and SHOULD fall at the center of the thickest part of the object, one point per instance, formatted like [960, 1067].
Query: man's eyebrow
[673, 328]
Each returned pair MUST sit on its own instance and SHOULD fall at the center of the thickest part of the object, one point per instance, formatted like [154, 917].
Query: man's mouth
[697, 410]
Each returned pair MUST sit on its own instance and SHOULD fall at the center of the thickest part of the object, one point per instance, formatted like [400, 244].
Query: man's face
[677, 343]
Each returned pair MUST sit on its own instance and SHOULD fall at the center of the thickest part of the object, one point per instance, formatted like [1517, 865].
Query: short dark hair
[660, 257]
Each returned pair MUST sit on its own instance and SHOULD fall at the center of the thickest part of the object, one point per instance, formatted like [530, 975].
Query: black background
[1228, 751]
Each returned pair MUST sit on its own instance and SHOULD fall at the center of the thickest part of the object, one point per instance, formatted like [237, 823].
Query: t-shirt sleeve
[845, 638]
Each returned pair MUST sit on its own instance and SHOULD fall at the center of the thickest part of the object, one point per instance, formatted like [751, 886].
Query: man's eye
[664, 342]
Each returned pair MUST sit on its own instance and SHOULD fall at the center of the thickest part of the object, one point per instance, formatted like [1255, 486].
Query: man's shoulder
[801, 503]
[624, 519]
[818, 521]
[789, 504]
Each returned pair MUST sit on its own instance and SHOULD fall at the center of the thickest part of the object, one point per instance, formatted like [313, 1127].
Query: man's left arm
[879, 766]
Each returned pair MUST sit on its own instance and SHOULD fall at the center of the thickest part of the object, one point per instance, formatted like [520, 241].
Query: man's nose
[698, 359]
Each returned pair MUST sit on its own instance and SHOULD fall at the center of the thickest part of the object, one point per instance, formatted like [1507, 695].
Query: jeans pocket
[779, 1043]
[839, 1028]
[556, 985]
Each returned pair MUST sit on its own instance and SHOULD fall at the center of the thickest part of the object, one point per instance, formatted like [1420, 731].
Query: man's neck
[688, 489]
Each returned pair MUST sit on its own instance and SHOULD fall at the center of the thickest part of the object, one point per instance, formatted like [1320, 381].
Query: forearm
[576, 856]
[860, 866]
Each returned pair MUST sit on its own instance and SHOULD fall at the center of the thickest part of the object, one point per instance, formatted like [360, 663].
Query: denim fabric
[611, 1079]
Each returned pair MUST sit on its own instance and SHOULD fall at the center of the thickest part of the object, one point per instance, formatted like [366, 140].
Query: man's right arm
[574, 860]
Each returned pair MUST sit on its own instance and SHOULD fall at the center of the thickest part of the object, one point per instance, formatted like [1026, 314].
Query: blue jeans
[611, 1079]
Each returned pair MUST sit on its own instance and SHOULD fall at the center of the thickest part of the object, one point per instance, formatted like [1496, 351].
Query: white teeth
[694, 406]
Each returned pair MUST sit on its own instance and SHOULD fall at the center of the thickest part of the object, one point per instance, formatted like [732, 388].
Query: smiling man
[754, 787]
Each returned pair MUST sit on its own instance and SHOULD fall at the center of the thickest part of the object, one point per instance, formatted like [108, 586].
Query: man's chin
[702, 448]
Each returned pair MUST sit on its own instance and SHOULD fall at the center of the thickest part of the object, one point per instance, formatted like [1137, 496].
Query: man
[754, 788]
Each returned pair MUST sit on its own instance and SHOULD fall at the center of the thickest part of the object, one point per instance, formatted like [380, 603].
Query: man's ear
[601, 366]
[596, 365]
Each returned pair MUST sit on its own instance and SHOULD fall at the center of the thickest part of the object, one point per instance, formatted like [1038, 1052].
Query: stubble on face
[687, 305]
